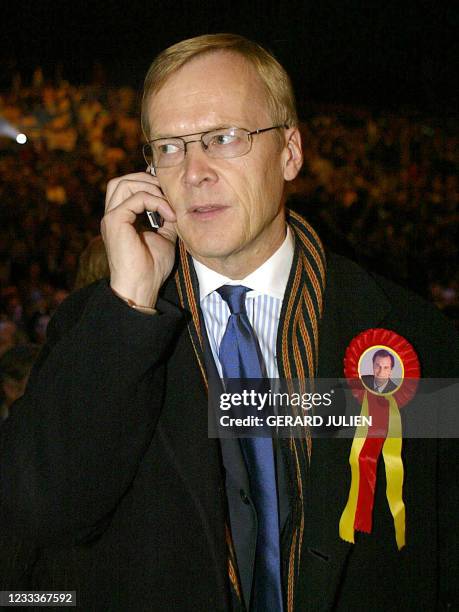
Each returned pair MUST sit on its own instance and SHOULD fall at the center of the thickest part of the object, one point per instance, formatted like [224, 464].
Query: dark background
[386, 56]
[377, 92]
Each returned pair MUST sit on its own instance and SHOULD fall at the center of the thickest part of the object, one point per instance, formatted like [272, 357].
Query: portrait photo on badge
[380, 370]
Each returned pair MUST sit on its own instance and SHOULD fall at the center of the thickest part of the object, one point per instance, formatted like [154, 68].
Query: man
[380, 381]
[107, 464]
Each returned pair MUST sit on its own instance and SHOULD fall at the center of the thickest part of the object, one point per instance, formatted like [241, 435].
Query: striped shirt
[263, 303]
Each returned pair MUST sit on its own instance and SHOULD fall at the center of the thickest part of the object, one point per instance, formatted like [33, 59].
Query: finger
[125, 189]
[145, 177]
[138, 203]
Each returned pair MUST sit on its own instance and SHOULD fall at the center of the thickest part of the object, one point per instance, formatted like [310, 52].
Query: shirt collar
[269, 279]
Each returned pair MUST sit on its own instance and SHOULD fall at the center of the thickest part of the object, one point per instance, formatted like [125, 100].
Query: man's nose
[197, 165]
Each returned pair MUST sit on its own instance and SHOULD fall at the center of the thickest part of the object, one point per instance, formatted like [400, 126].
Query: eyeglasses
[222, 143]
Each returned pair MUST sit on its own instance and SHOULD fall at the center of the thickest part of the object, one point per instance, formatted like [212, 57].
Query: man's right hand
[139, 262]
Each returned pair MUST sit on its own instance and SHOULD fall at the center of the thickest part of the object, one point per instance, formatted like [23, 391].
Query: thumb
[168, 231]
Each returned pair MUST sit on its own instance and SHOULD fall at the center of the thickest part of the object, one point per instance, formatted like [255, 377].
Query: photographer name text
[308, 420]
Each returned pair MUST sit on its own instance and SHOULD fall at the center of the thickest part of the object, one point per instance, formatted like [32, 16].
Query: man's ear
[292, 154]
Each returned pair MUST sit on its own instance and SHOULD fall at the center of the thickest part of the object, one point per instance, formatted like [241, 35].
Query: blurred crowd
[380, 188]
[384, 190]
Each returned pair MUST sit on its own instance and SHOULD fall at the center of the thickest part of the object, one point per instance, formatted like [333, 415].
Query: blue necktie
[241, 358]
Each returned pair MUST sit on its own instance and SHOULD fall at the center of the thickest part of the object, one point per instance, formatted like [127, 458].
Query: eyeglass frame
[249, 133]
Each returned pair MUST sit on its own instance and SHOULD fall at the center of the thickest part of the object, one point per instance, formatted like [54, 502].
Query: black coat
[369, 380]
[108, 469]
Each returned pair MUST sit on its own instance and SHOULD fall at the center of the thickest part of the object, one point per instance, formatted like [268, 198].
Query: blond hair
[93, 264]
[277, 84]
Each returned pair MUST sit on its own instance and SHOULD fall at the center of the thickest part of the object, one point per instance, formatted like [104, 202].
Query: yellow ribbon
[392, 455]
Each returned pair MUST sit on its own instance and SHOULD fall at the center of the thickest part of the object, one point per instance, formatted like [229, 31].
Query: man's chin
[207, 255]
[208, 246]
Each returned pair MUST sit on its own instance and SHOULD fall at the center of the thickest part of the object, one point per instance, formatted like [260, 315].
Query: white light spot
[21, 138]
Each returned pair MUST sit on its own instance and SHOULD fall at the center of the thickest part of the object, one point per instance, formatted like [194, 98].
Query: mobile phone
[155, 219]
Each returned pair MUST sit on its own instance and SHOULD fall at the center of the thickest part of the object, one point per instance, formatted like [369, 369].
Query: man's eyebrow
[158, 135]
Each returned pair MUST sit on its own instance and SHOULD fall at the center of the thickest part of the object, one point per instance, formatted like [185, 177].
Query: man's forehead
[383, 360]
[212, 90]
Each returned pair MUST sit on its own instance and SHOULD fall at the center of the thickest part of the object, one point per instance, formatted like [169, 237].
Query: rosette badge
[382, 370]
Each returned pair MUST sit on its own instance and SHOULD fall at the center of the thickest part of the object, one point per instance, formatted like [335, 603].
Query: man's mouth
[206, 211]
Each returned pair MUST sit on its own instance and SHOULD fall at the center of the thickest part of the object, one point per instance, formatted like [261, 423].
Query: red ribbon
[378, 409]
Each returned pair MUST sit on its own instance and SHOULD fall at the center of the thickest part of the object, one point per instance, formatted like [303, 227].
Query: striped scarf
[297, 350]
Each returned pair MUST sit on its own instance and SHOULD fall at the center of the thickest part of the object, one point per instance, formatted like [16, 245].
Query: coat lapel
[346, 313]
